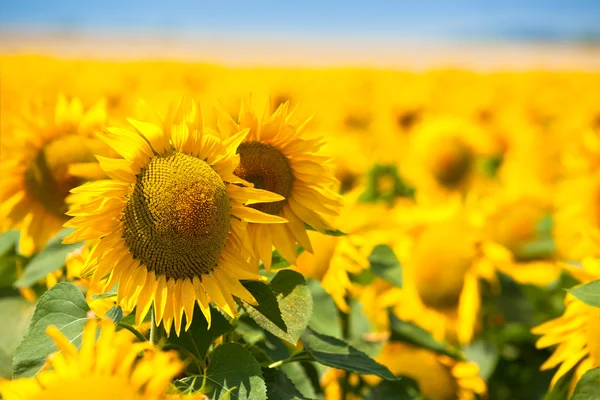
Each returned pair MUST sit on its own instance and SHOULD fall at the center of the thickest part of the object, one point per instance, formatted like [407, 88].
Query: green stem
[131, 329]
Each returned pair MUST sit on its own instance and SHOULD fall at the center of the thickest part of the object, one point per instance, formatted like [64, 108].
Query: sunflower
[104, 368]
[518, 236]
[439, 376]
[275, 156]
[578, 216]
[575, 333]
[49, 155]
[443, 155]
[336, 258]
[170, 222]
[442, 266]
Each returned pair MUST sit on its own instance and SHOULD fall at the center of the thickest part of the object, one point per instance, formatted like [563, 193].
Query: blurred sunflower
[575, 333]
[442, 265]
[578, 216]
[170, 221]
[518, 236]
[109, 367]
[336, 258]
[49, 155]
[442, 155]
[275, 156]
[439, 377]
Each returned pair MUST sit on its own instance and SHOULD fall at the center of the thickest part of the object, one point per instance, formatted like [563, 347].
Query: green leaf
[198, 338]
[267, 314]
[298, 374]
[278, 262]
[407, 332]
[63, 306]
[385, 265]
[8, 241]
[327, 231]
[588, 387]
[325, 318]
[589, 293]
[561, 389]
[280, 387]
[189, 384]
[110, 293]
[234, 372]
[115, 313]
[50, 259]
[15, 314]
[358, 329]
[485, 355]
[402, 389]
[336, 353]
[293, 301]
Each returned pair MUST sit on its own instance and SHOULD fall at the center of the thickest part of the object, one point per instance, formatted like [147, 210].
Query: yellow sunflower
[49, 155]
[276, 156]
[335, 258]
[442, 266]
[439, 377]
[109, 367]
[578, 217]
[443, 153]
[518, 236]
[575, 333]
[170, 222]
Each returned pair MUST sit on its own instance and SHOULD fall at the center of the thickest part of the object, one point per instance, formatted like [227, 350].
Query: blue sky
[436, 19]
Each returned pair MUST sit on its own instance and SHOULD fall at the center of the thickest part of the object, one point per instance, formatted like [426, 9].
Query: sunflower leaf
[15, 314]
[295, 303]
[198, 338]
[278, 262]
[115, 313]
[588, 292]
[336, 353]
[267, 314]
[279, 386]
[325, 318]
[8, 240]
[63, 306]
[385, 265]
[234, 374]
[50, 259]
[588, 387]
[407, 332]
[402, 389]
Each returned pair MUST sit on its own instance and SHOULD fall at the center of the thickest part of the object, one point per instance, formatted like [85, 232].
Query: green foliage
[50, 259]
[407, 332]
[588, 292]
[385, 265]
[336, 353]
[402, 389]
[198, 338]
[233, 372]
[374, 192]
[325, 318]
[292, 300]
[15, 314]
[588, 387]
[63, 306]
[279, 262]
[280, 387]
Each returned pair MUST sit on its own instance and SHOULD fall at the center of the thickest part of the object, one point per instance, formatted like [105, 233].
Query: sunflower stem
[131, 329]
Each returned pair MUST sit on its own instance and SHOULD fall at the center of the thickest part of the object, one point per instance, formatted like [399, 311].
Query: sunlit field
[177, 230]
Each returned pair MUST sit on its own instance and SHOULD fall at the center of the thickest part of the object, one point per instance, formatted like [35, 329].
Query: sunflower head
[104, 368]
[51, 154]
[171, 222]
[278, 157]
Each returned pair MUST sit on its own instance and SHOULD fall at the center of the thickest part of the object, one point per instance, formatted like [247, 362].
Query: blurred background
[460, 33]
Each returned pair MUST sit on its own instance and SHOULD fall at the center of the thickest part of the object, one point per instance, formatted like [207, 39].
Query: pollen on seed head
[178, 217]
[267, 168]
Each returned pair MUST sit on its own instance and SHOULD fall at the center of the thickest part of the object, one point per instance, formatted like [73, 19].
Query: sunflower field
[173, 230]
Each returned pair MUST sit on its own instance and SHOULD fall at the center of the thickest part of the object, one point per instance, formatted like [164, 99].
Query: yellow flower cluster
[466, 176]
